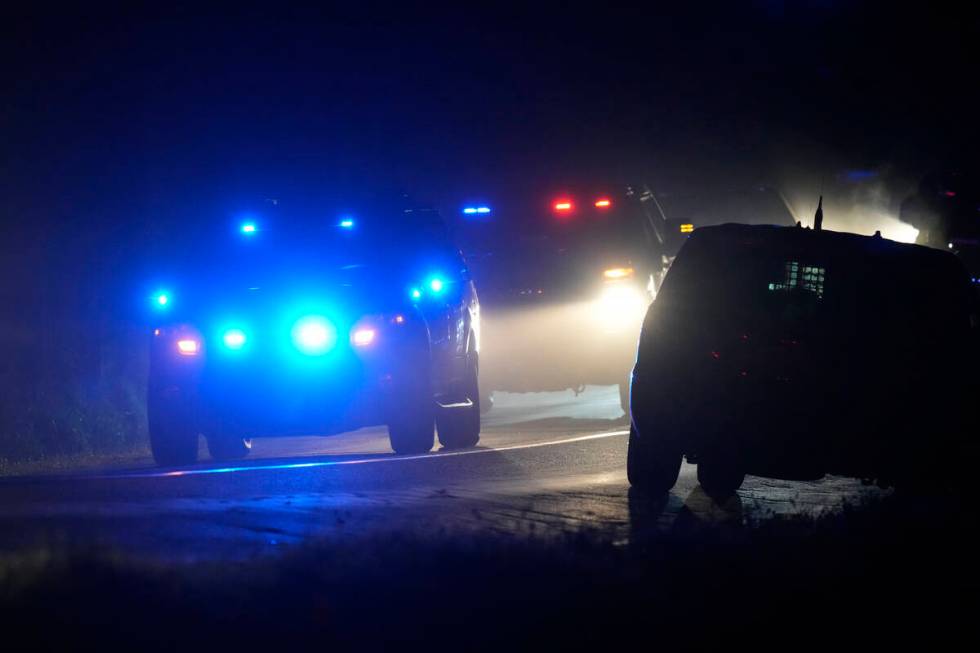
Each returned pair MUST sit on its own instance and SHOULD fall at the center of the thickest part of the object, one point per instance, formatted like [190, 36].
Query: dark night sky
[120, 114]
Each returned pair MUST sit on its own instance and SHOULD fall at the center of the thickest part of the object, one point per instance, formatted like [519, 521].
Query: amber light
[618, 273]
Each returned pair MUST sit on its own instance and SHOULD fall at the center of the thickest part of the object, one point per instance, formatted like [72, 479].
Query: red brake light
[603, 203]
[563, 206]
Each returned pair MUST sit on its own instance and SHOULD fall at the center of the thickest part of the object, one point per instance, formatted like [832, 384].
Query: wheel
[624, 396]
[459, 427]
[413, 432]
[173, 430]
[651, 467]
[228, 447]
[720, 476]
[410, 411]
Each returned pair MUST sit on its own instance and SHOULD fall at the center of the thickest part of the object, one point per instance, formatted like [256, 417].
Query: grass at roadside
[890, 572]
[135, 454]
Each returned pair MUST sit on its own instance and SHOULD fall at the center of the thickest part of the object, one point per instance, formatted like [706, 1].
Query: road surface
[547, 464]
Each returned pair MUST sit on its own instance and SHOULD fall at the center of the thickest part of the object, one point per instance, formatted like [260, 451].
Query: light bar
[687, 228]
[476, 210]
[346, 223]
[249, 228]
[563, 205]
[603, 203]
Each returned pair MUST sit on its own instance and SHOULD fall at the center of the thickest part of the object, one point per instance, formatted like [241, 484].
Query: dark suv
[793, 353]
[318, 326]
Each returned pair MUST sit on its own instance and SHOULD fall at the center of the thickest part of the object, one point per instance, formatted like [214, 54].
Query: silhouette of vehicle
[565, 279]
[318, 328]
[795, 353]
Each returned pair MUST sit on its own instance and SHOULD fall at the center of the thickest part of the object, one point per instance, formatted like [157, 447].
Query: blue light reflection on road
[357, 461]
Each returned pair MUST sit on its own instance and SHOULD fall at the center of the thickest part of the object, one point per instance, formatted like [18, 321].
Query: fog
[856, 198]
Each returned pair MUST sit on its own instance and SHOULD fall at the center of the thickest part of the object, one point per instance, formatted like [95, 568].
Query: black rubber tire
[459, 428]
[228, 447]
[651, 467]
[720, 476]
[173, 432]
[410, 413]
[414, 432]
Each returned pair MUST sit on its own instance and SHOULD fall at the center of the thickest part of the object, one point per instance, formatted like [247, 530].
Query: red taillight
[188, 346]
[603, 203]
[563, 206]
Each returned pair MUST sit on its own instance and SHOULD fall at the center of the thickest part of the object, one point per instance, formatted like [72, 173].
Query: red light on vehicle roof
[603, 203]
[563, 205]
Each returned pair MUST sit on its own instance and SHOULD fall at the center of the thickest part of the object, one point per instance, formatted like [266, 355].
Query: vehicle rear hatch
[788, 326]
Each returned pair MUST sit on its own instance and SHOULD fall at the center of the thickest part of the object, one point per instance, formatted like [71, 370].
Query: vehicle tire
[173, 431]
[228, 447]
[413, 432]
[624, 397]
[720, 476]
[460, 427]
[651, 467]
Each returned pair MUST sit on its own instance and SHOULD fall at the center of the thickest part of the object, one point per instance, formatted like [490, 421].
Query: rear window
[752, 283]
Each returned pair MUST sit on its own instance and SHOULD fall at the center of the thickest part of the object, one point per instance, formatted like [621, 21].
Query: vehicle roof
[823, 243]
[759, 206]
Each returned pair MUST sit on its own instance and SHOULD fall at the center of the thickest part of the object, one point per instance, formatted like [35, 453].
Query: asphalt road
[547, 464]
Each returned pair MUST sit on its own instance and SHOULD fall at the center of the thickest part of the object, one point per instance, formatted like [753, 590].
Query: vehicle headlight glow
[363, 336]
[160, 300]
[234, 338]
[314, 335]
[188, 346]
[621, 306]
[618, 273]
